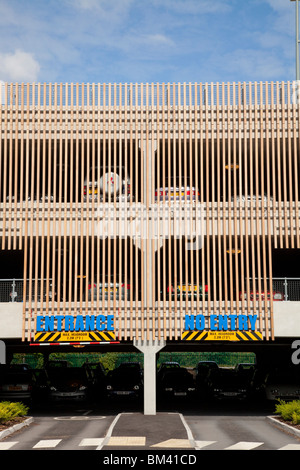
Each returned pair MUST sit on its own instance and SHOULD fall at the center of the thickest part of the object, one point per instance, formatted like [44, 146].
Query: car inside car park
[126, 380]
[165, 367]
[226, 383]
[261, 295]
[109, 290]
[282, 384]
[18, 382]
[188, 291]
[176, 382]
[69, 384]
[108, 184]
[176, 192]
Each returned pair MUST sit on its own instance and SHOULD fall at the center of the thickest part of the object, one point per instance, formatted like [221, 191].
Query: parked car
[69, 383]
[187, 291]
[277, 296]
[227, 384]
[176, 383]
[169, 365]
[282, 384]
[166, 366]
[18, 198]
[125, 381]
[113, 184]
[176, 193]
[17, 383]
[119, 291]
[246, 368]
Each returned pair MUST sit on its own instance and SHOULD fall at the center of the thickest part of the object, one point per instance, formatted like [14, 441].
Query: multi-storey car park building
[150, 217]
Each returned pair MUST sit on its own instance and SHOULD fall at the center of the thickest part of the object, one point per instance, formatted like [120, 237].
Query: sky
[147, 41]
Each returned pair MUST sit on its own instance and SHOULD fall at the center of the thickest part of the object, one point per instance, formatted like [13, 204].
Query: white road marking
[109, 432]
[201, 444]
[7, 445]
[93, 441]
[244, 445]
[189, 432]
[174, 443]
[78, 418]
[290, 447]
[47, 443]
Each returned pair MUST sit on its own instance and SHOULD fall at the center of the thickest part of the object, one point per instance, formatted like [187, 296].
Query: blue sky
[127, 41]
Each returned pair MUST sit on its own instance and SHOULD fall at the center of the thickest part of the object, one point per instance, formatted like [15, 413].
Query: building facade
[149, 212]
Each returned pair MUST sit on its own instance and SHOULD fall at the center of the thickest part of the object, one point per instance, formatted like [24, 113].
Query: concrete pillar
[2, 352]
[149, 349]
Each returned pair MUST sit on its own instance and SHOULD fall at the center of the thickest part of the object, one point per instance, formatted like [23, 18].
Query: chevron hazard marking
[59, 337]
[195, 335]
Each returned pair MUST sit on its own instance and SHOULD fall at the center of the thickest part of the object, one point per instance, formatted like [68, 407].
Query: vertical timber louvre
[149, 202]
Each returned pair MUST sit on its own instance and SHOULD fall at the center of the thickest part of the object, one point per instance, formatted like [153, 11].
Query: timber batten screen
[149, 202]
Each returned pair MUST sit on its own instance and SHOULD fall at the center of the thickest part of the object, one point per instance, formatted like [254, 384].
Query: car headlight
[168, 389]
[53, 389]
[83, 387]
[191, 389]
[275, 390]
[136, 387]
[108, 387]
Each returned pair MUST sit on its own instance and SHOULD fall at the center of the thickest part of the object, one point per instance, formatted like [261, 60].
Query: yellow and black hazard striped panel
[88, 336]
[43, 337]
[249, 335]
[196, 335]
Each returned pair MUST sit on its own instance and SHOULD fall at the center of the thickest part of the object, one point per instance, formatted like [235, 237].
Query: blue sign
[221, 322]
[74, 323]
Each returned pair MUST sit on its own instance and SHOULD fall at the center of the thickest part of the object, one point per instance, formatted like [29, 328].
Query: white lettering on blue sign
[71, 323]
[221, 322]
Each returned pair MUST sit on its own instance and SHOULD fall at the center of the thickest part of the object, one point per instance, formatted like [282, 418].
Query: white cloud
[253, 65]
[113, 10]
[133, 40]
[19, 66]
[160, 39]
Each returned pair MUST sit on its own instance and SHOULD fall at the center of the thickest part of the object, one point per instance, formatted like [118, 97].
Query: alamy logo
[156, 222]
[296, 354]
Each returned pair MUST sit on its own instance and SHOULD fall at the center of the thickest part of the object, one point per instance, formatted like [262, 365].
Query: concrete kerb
[16, 427]
[285, 427]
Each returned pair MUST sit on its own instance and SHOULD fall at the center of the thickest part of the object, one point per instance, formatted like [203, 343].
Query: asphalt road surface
[219, 428]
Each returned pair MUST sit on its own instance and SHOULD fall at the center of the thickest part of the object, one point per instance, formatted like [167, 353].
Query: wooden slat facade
[213, 142]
